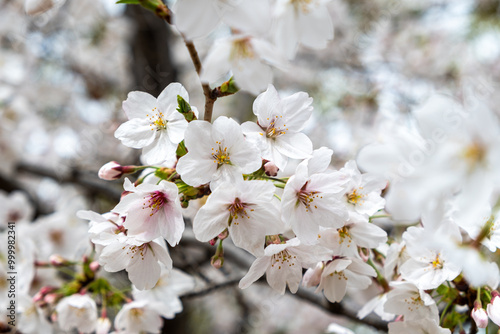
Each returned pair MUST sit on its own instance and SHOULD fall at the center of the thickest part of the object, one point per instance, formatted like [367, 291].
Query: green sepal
[229, 87]
[185, 109]
[181, 149]
[129, 2]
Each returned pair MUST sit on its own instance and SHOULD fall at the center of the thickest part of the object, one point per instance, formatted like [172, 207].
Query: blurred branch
[90, 183]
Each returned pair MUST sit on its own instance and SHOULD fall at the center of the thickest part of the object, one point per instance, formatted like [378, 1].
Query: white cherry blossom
[341, 273]
[283, 264]
[420, 326]
[413, 303]
[77, 311]
[217, 152]
[140, 316]
[312, 197]
[246, 209]
[198, 18]
[154, 124]
[170, 286]
[140, 260]
[305, 22]
[279, 122]
[248, 58]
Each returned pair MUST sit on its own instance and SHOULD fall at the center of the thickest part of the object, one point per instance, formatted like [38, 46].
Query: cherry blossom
[248, 58]
[140, 316]
[283, 264]
[77, 311]
[140, 260]
[279, 122]
[245, 209]
[303, 22]
[217, 152]
[341, 273]
[154, 124]
[413, 303]
[312, 198]
[152, 211]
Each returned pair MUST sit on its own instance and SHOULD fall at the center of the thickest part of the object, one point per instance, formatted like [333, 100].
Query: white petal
[257, 269]
[139, 105]
[136, 133]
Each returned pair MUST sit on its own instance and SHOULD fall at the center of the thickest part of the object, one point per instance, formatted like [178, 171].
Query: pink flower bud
[110, 171]
[213, 241]
[480, 317]
[271, 169]
[57, 260]
[223, 235]
[94, 266]
[51, 298]
[312, 277]
[493, 308]
[217, 262]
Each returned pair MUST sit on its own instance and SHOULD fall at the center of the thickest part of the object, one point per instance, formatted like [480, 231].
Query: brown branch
[88, 182]
[209, 97]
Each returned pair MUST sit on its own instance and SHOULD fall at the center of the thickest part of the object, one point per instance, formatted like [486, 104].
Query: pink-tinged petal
[162, 150]
[286, 35]
[294, 145]
[161, 252]
[196, 18]
[257, 269]
[143, 269]
[217, 64]
[334, 289]
[172, 226]
[279, 274]
[267, 105]
[136, 133]
[316, 28]
[114, 257]
[139, 105]
[167, 100]
[176, 127]
[251, 75]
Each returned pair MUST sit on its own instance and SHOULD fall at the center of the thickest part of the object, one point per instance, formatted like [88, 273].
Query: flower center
[154, 201]
[238, 210]
[354, 197]
[136, 312]
[344, 233]
[283, 258]
[157, 122]
[242, 49]
[437, 263]
[307, 197]
[474, 154]
[137, 250]
[302, 5]
[220, 155]
[273, 130]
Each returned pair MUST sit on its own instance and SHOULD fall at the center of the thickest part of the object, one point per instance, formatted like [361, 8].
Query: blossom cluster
[262, 186]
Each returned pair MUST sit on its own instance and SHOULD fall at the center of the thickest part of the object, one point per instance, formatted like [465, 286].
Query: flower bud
[110, 171]
[479, 315]
[213, 241]
[223, 235]
[217, 262]
[57, 260]
[271, 169]
[493, 308]
[94, 266]
[312, 277]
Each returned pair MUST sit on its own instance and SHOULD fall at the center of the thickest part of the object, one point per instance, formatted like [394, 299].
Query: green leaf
[184, 107]
[229, 87]
[129, 2]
